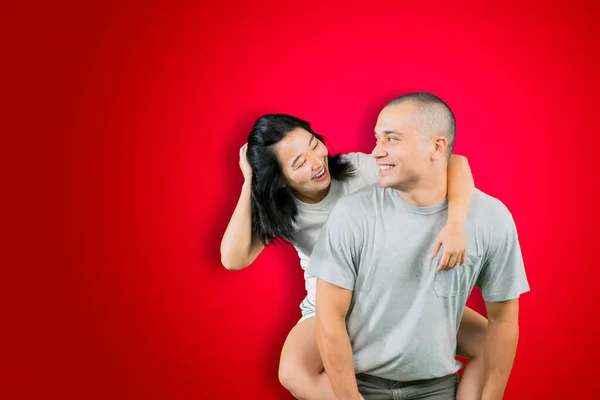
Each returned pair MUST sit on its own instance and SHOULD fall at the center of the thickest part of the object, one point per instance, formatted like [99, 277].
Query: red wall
[142, 109]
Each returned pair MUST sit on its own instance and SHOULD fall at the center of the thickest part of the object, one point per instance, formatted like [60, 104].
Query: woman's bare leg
[471, 341]
[301, 368]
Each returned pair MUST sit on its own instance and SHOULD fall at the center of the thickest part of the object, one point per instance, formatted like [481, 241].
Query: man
[386, 321]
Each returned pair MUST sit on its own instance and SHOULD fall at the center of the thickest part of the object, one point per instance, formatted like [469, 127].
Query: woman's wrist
[247, 186]
[457, 219]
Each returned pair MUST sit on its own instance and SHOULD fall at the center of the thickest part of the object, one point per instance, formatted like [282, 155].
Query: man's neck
[428, 192]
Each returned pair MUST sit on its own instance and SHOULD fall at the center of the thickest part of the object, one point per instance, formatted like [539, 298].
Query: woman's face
[303, 160]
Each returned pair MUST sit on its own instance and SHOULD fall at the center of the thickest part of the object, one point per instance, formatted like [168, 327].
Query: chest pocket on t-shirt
[459, 280]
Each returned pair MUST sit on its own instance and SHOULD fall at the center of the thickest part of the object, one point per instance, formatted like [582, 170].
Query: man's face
[401, 152]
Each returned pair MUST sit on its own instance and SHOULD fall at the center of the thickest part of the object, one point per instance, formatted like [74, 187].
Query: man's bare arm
[333, 340]
[500, 346]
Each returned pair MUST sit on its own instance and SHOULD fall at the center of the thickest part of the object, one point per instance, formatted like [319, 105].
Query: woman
[290, 185]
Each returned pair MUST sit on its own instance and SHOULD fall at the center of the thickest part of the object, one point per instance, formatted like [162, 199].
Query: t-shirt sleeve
[334, 257]
[503, 274]
[367, 170]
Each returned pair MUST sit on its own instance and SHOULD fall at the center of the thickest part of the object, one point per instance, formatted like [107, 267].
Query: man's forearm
[460, 188]
[500, 348]
[336, 352]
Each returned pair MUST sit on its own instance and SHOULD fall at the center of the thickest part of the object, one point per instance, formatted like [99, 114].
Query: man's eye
[392, 139]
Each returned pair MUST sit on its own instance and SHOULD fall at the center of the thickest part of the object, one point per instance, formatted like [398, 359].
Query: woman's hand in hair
[244, 164]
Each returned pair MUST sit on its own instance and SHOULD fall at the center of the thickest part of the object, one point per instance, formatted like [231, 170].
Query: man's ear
[440, 145]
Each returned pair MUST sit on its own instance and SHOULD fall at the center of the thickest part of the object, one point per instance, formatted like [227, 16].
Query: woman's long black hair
[273, 208]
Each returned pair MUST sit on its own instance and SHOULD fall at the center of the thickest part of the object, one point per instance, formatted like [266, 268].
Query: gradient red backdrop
[142, 108]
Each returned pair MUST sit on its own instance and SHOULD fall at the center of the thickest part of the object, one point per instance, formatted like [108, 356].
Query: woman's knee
[292, 376]
[300, 363]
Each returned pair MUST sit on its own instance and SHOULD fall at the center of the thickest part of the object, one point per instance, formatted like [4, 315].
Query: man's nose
[378, 151]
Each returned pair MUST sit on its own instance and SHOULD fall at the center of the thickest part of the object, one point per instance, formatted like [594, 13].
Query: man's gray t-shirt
[403, 317]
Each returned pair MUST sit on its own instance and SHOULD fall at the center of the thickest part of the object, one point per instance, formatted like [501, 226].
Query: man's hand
[454, 239]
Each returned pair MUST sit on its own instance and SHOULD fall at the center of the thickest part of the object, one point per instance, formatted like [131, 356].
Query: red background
[131, 117]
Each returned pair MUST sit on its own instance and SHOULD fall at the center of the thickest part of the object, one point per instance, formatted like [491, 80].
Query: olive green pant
[375, 388]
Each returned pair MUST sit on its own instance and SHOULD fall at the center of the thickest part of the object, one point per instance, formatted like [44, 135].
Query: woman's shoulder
[356, 157]
[365, 166]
